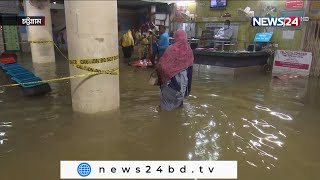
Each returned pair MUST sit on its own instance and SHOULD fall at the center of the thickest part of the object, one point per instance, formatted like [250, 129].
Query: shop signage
[292, 62]
[294, 4]
[263, 37]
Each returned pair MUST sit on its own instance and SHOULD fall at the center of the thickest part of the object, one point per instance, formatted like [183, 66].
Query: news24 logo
[288, 21]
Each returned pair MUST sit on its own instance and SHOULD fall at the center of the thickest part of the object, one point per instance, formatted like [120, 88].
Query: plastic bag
[153, 80]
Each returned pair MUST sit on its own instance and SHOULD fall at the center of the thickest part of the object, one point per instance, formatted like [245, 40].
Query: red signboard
[292, 62]
[294, 4]
[292, 65]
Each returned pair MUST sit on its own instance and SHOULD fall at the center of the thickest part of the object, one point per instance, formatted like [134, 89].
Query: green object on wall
[10, 35]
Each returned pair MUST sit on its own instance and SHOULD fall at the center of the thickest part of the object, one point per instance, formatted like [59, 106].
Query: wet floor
[270, 127]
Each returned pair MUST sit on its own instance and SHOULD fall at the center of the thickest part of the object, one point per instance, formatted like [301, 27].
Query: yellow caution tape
[94, 60]
[78, 63]
[114, 71]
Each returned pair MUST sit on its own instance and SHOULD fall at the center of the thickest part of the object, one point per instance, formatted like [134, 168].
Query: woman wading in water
[175, 72]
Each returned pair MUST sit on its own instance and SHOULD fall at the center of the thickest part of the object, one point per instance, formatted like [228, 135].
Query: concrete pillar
[41, 52]
[92, 30]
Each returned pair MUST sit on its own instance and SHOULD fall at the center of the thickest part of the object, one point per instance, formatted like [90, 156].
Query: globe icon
[84, 169]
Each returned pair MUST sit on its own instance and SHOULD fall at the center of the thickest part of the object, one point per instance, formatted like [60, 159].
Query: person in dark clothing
[175, 85]
[127, 51]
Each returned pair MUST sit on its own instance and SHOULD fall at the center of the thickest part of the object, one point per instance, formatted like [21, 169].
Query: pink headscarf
[176, 58]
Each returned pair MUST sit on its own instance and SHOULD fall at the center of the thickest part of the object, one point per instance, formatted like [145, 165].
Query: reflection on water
[269, 126]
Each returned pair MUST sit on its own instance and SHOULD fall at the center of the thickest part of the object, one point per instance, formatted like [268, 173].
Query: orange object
[141, 63]
[7, 60]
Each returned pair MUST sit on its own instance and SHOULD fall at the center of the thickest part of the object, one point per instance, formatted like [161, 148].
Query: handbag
[153, 80]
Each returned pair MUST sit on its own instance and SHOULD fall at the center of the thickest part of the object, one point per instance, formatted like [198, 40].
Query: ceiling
[123, 3]
[134, 3]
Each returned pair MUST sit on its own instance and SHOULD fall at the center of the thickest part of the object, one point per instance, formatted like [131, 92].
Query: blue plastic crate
[16, 69]
[14, 72]
[3, 64]
[12, 66]
[25, 76]
[9, 65]
[28, 80]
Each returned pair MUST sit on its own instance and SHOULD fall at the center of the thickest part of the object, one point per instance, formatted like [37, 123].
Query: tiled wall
[8, 7]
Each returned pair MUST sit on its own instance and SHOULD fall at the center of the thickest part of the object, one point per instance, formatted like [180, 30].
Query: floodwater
[270, 127]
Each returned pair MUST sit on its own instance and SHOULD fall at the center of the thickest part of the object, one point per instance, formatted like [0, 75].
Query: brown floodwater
[270, 127]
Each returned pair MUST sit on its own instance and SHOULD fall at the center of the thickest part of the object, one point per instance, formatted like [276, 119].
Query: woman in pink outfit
[175, 72]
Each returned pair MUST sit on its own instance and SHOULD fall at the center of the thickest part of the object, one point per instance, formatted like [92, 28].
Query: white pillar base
[92, 30]
[41, 52]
